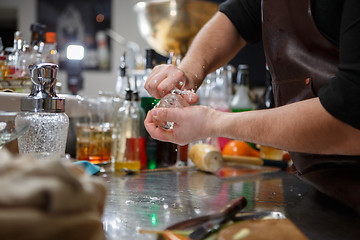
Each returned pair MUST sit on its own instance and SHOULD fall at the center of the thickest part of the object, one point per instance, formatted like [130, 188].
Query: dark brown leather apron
[301, 61]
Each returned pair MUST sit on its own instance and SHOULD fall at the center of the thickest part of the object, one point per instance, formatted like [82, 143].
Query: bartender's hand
[190, 123]
[165, 78]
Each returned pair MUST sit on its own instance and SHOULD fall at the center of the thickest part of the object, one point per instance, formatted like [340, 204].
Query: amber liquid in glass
[93, 144]
[132, 159]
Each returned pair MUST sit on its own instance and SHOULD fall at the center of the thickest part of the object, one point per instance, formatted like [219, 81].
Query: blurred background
[87, 23]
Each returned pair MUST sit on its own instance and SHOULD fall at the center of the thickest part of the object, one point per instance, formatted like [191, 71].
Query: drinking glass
[171, 100]
[174, 100]
[94, 132]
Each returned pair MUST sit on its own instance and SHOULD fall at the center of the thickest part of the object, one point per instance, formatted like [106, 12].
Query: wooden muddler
[206, 157]
[209, 159]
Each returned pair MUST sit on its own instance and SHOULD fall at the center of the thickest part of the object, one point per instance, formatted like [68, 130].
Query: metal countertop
[157, 200]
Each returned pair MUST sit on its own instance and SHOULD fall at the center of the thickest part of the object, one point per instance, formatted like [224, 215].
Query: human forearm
[208, 51]
[301, 127]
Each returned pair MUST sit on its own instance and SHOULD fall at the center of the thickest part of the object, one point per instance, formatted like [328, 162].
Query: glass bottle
[24, 63]
[126, 124]
[37, 43]
[126, 136]
[147, 102]
[50, 53]
[267, 99]
[35, 29]
[122, 82]
[142, 130]
[47, 134]
[13, 60]
[215, 92]
[241, 100]
[150, 62]
[3, 66]
[102, 50]
[159, 154]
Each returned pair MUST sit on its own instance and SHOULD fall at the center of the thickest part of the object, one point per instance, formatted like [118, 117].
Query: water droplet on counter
[154, 199]
[129, 202]
[175, 206]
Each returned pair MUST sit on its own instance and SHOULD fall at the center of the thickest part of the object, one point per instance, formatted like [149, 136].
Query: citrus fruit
[239, 148]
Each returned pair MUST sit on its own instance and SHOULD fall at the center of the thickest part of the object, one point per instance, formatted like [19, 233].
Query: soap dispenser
[45, 111]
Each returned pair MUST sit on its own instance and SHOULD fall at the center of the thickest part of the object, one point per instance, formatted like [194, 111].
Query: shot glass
[172, 100]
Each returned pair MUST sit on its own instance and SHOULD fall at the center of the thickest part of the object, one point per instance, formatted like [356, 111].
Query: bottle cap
[150, 58]
[129, 95]
[242, 75]
[38, 31]
[43, 97]
[17, 35]
[50, 37]
[35, 27]
[243, 67]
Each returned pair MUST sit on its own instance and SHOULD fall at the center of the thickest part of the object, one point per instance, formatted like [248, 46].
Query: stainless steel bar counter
[157, 200]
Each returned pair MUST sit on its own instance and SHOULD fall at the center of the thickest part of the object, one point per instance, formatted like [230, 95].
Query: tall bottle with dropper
[122, 82]
[126, 138]
[126, 131]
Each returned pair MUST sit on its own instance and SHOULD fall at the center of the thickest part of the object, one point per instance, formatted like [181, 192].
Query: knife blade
[218, 219]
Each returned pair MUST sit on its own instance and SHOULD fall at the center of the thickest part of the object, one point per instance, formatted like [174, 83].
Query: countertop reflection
[157, 200]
